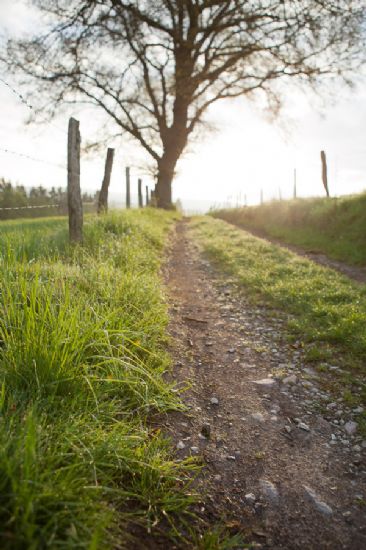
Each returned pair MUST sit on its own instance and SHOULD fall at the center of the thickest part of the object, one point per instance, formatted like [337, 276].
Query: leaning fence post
[128, 188]
[324, 172]
[74, 203]
[139, 183]
[147, 195]
[103, 195]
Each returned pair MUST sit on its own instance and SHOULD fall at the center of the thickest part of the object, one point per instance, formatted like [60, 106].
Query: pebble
[206, 430]
[320, 505]
[250, 497]
[357, 448]
[231, 457]
[310, 372]
[351, 427]
[265, 382]
[269, 490]
[180, 445]
[303, 426]
[292, 379]
[195, 450]
[214, 401]
[258, 417]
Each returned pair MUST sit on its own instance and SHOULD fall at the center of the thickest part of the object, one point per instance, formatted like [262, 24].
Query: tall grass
[335, 226]
[82, 358]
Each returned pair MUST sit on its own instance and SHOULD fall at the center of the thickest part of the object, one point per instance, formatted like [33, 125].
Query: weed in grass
[219, 539]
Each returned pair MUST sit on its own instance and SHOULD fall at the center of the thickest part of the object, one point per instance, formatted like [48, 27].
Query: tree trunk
[166, 169]
[164, 187]
[174, 144]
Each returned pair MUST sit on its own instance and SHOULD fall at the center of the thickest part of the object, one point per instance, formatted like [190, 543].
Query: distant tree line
[17, 197]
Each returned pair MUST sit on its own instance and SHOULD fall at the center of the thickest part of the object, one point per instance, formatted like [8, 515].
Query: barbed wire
[34, 159]
[42, 206]
[27, 104]
[33, 206]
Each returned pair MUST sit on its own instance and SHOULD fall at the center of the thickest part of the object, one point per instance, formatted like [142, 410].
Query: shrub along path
[282, 460]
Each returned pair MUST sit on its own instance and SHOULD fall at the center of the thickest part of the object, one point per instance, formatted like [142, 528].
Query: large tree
[155, 66]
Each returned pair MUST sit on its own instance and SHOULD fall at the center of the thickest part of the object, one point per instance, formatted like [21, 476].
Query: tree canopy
[155, 66]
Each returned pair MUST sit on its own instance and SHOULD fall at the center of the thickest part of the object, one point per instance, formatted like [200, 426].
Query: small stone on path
[351, 427]
[214, 401]
[250, 497]
[320, 505]
[206, 430]
[180, 445]
[269, 490]
[258, 417]
[265, 382]
[292, 379]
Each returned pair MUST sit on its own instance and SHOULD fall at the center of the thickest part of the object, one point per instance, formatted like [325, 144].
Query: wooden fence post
[261, 197]
[74, 202]
[152, 197]
[103, 195]
[324, 172]
[147, 195]
[128, 188]
[295, 184]
[139, 183]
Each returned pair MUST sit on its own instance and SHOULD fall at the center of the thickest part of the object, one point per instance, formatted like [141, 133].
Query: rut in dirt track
[270, 466]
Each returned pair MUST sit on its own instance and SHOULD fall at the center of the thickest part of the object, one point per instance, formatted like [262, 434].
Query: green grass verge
[82, 337]
[336, 226]
[328, 311]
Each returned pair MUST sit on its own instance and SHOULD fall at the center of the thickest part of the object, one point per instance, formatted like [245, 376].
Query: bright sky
[245, 154]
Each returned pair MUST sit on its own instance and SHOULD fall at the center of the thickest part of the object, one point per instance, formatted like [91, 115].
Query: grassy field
[82, 337]
[328, 312]
[334, 226]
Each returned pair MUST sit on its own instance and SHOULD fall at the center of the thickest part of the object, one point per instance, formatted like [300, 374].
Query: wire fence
[24, 101]
[30, 207]
[71, 200]
[34, 159]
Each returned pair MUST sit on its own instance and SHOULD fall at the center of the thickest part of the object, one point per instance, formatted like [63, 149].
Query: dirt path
[357, 273]
[275, 467]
